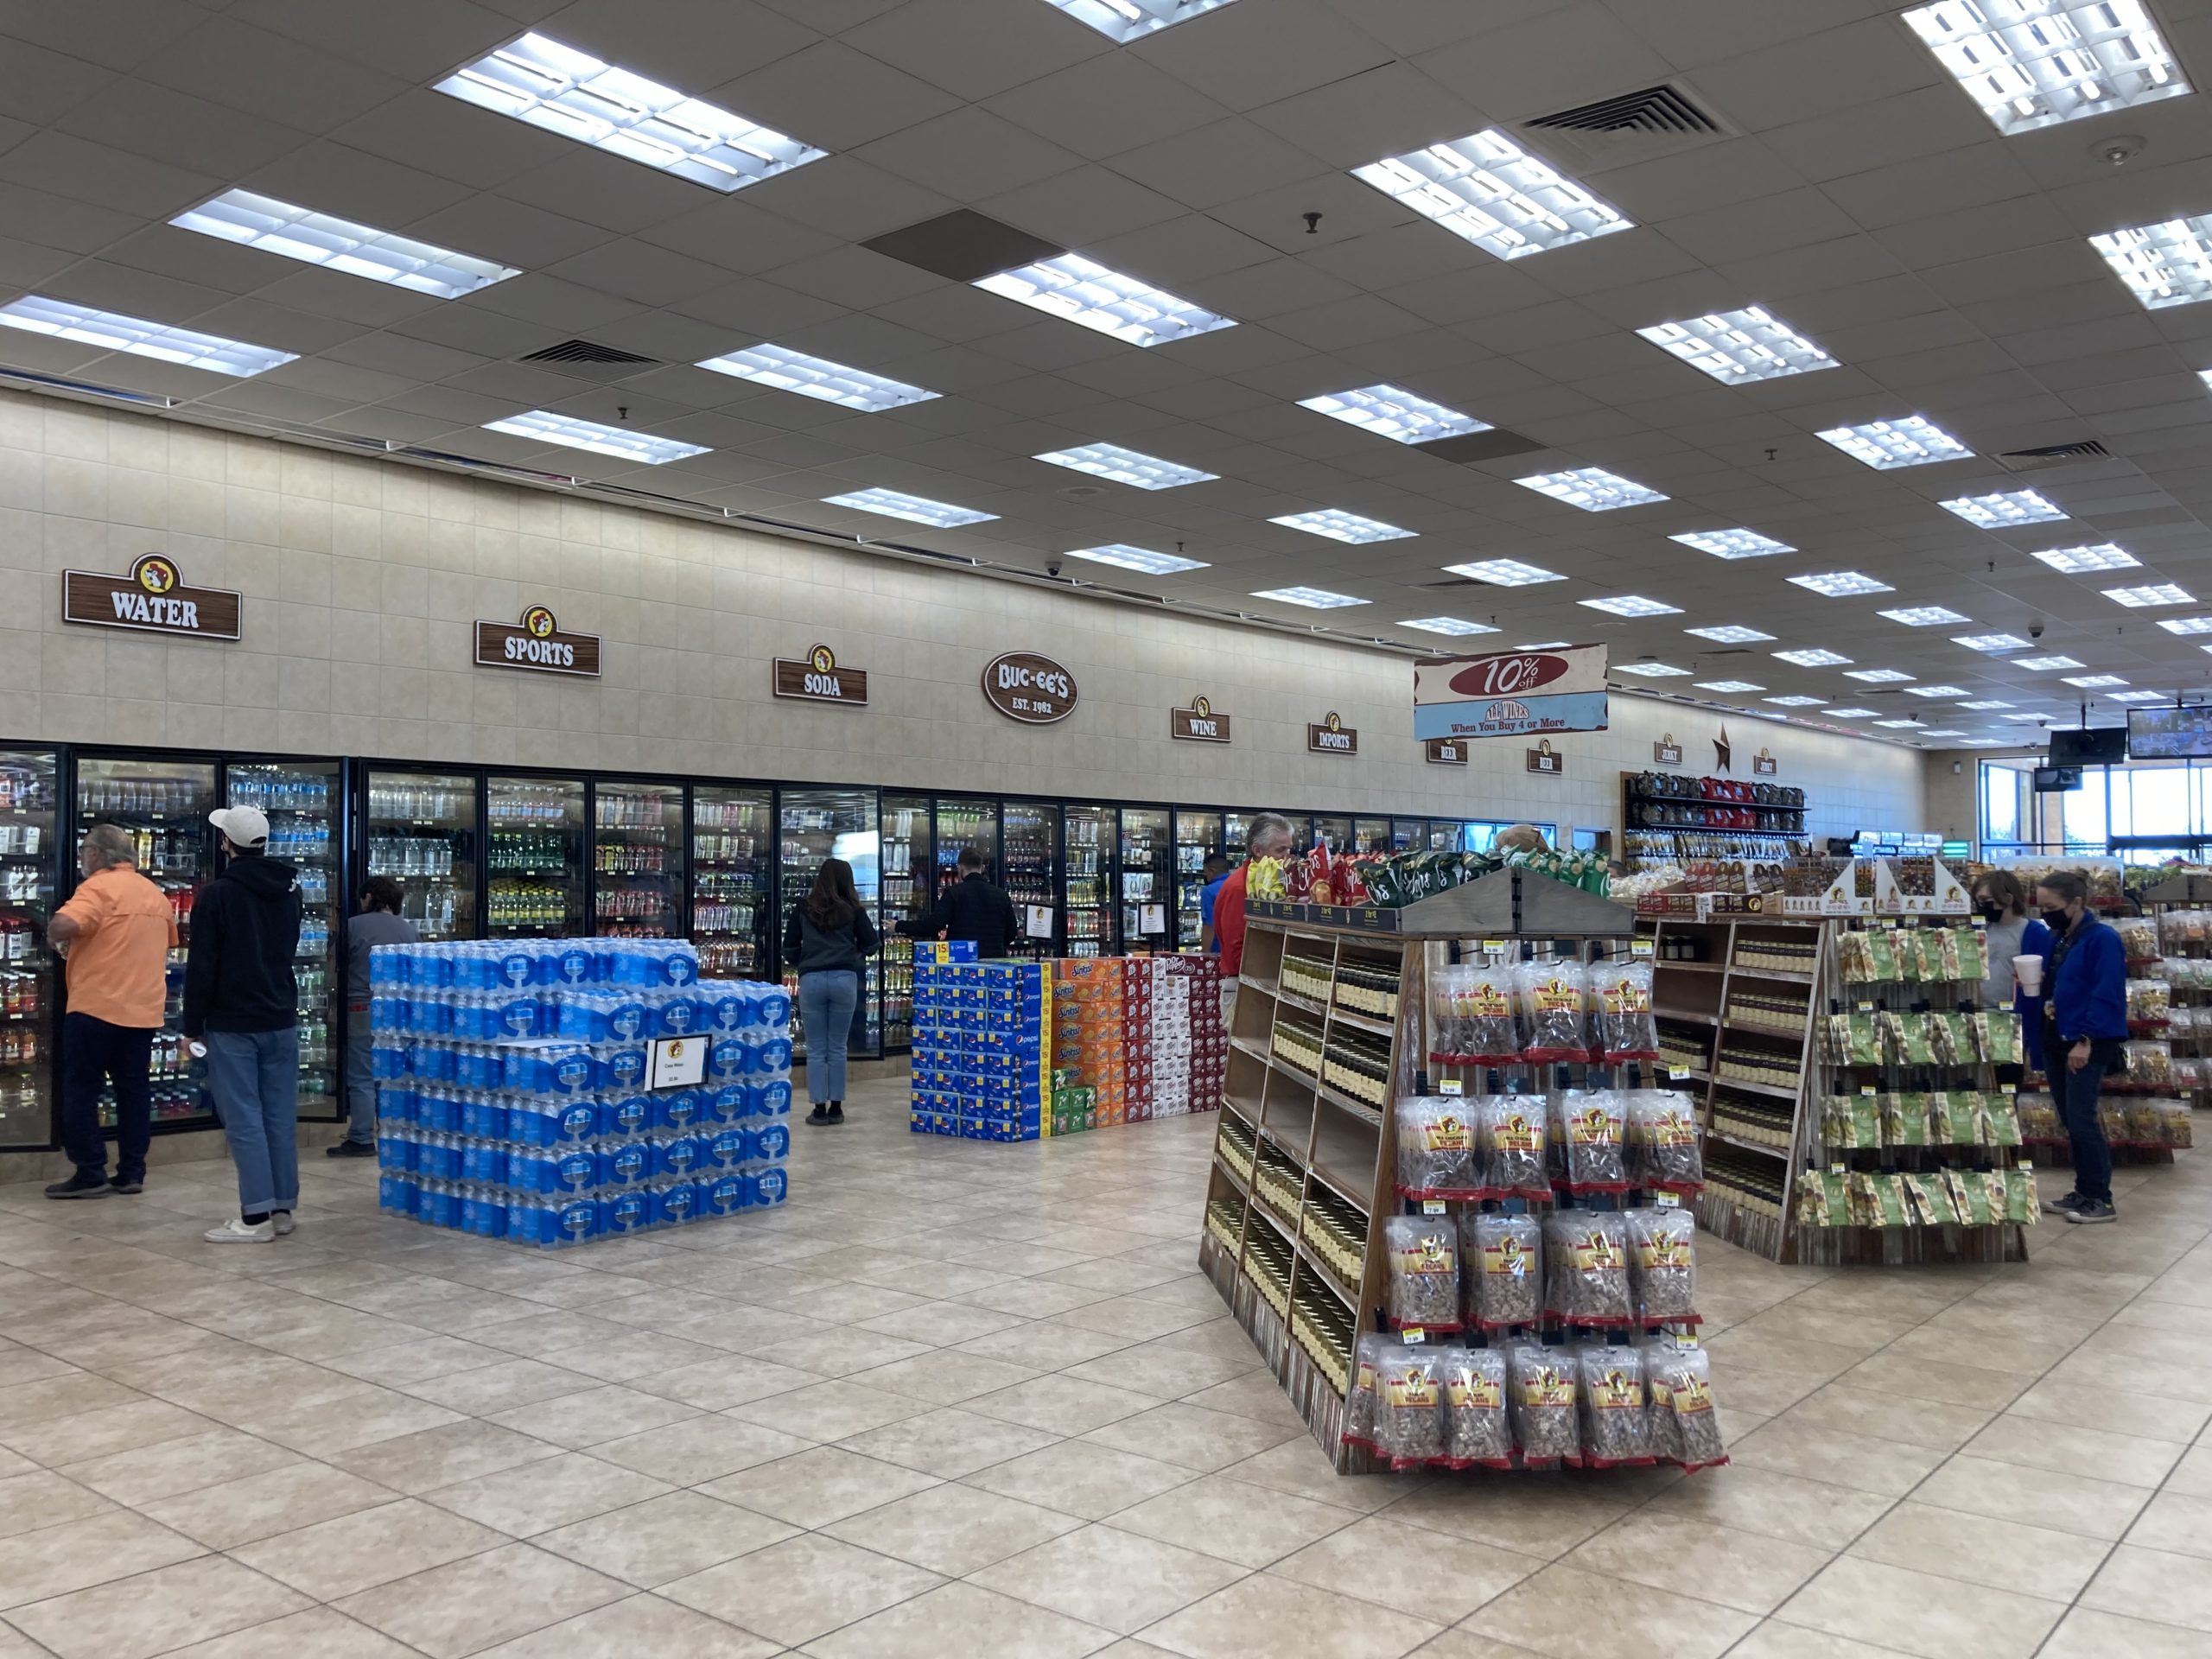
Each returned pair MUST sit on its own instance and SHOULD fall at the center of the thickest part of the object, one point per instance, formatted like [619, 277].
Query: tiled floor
[974, 1400]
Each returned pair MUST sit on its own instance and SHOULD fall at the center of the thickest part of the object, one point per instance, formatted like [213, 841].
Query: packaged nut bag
[1476, 1431]
[1504, 1268]
[1409, 1406]
[1590, 1127]
[1586, 1256]
[1626, 1028]
[1424, 1272]
[1512, 1133]
[1541, 1395]
[1436, 1148]
[1553, 997]
[1685, 1425]
[1615, 1426]
[1663, 1138]
[1359, 1403]
[1662, 1275]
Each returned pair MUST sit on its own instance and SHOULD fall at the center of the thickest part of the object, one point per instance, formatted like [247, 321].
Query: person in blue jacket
[2085, 1021]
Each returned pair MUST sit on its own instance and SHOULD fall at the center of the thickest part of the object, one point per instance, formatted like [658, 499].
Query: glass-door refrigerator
[1087, 914]
[303, 801]
[1030, 856]
[31, 858]
[1370, 835]
[162, 806]
[1409, 834]
[533, 857]
[1445, 835]
[1332, 832]
[732, 835]
[637, 859]
[1197, 837]
[1235, 831]
[420, 828]
[963, 821]
[1147, 880]
[908, 861]
[816, 824]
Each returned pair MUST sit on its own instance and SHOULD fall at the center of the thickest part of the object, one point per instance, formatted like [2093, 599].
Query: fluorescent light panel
[2165, 264]
[1731, 543]
[1110, 461]
[2186, 623]
[1990, 642]
[1653, 670]
[1737, 346]
[914, 509]
[1122, 556]
[818, 377]
[1728, 685]
[2037, 664]
[2081, 561]
[1451, 625]
[2162, 593]
[1944, 731]
[1081, 290]
[2036, 63]
[1887, 445]
[1842, 584]
[1733, 634]
[622, 442]
[113, 332]
[1632, 605]
[1504, 573]
[1318, 599]
[2093, 681]
[1591, 488]
[314, 239]
[2004, 511]
[1877, 676]
[1394, 413]
[1926, 616]
[1343, 527]
[1797, 701]
[1983, 705]
[1853, 713]
[1812, 658]
[1487, 189]
[1124, 21]
[2139, 696]
[1897, 724]
[538, 80]
[2026, 720]
[1937, 691]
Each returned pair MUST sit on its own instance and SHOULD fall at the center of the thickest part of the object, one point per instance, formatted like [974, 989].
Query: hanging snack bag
[2151, 1063]
[1662, 1275]
[1595, 1139]
[1666, 1153]
[1539, 1395]
[1424, 1272]
[2023, 1208]
[2001, 1038]
[1862, 1041]
[1436, 1148]
[1973, 954]
[1902, 1125]
[1586, 1256]
[1944, 947]
[1485, 1027]
[2039, 1115]
[1476, 1433]
[1513, 1147]
[1359, 1402]
[1409, 1410]
[2180, 1133]
[1505, 1266]
[1855, 957]
[1928, 1199]
[1626, 1029]
[1553, 996]
[1684, 1421]
[1882, 951]
[1969, 1196]
[1616, 1429]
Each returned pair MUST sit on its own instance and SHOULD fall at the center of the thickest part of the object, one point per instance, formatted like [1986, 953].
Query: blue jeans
[826, 1001]
[2077, 1095]
[256, 1078]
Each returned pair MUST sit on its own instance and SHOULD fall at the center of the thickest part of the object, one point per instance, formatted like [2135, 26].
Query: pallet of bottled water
[516, 1096]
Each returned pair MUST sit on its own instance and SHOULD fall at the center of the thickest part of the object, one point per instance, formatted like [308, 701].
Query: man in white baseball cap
[241, 1009]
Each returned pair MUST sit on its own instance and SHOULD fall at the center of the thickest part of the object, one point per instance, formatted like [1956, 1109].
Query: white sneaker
[236, 1231]
[282, 1221]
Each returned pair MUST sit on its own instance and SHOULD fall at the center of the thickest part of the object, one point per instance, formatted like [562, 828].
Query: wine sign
[818, 679]
[1033, 690]
[152, 599]
[536, 646]
[1545, 759]
[1447, 752]
[1666, 752]
[1332, 736]
[1198, 723]
[1764, 765]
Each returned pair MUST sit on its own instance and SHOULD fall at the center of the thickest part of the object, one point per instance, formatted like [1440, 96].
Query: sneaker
[350, 1149]
[80, 1186]
[819, 1114]
[2065, 1206]
[282, 1221]
[129, 1185]
[236, 1230]
[837, 1113]
[2090, 1211]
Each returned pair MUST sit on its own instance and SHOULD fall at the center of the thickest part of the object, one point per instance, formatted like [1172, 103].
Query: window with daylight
[2164, 807]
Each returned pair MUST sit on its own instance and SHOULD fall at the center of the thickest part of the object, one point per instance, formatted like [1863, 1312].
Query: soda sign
[820, 678]
[1033, 690]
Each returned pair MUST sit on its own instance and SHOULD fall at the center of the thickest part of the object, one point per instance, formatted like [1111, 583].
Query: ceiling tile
[1573, 55]
[848, 198]
[1106, 105]
[1243, 56]
[694, 46]
[835, 98]
[638, 271]
[227, 62]
[415, 39]
[89, 171]
[978, 48]
[967, 154]
[119, 35]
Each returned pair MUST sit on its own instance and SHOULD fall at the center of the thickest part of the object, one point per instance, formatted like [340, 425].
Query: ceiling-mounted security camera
[2035, 629]
[1052, 567]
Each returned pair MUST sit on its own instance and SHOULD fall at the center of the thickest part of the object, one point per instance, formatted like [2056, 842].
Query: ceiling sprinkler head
[2119, 150]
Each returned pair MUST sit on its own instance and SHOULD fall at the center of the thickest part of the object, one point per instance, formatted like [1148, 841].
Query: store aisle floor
[974, 1401]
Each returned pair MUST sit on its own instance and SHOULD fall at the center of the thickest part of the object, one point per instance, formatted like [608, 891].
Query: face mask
[2055, 920]
[1990, 912]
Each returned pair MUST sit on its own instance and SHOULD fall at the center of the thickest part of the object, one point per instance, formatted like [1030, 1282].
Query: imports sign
[1033, 690]
[1332, 736]
[537, 644]
[1511, 694]
[818, 679]
[1198, 723]
[152, 599]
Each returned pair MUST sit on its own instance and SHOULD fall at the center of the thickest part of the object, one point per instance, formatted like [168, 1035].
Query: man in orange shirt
[116, 930]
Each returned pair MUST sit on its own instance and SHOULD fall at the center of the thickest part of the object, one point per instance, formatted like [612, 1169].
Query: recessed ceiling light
[570, 93]
[1655, 670]
[1318, 599]
[1447, 625]
[1731, 543]
[1632, 605]
[1131, 20]
[1122, 556]
[1081, 290]
[818, 377]
[1990, 642]
[314, 239]
[1937, 691]
[1489, 190]
[2039, 62]
[1728, 685]
[2162, 593]
[113, 332]
[2139, 696]
[1505, 572]
[1797, 701]
[1739, 346]
[915, 508]
[2186, 623]
[1842, 584]
[1816, 658]
[1591, 488]
[1343, 526]
[2026, 720]
[1392, 412]
[1548, 645]
[1897, 724]
[2093, 681]
[1733, 634]
[2080, 561]
[1110, 461]
[2003, 510]
[1888, 445]
[2038, 664]
[1983, 705]
[1877, 676]
[623, 442]
[2162, 264]
[1853, 713]
[1944, 731]
[1925, 616]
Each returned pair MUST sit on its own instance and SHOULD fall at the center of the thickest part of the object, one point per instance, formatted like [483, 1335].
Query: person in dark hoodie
[969, 908]
[241, 1010]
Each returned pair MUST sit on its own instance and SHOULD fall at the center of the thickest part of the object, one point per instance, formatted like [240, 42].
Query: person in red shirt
[1269, 837]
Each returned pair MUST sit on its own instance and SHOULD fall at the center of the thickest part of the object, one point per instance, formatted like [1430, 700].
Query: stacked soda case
[1135, 1038]
[982, 1045]
[514, 1091]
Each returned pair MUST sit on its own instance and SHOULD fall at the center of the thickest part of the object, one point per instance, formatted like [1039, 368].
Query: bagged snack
[1999, 1036]
[1476, 1431]
[1904, 1119]
[1681, 1381]
[1553, 997]
[1882, 952]
[1513, 1147]
[1928, 1199]
[2151, 1063]
[1615, 1426]
[1663, 1143]
[1359, 1402]
[1972, 945]
[2180, 1131]
[1409, 1406]
[1424, 1272]
[2150, 1001]
[1836, 1120]
[1484, 1026]
[2039, 1115]
[1996, 1122]
[1626, 1030]
[1436, 1148]
[1662, 1277]
[2138, 935]
[1503, 1263]
[1969, 1196]
[1590, 1130]
[1539, 1392]
[1823, 1199]
[1855, 957]
[2023, 1208]
[1586, 1262]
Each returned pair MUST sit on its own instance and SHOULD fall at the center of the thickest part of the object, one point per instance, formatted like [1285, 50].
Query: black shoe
[2091, 1211]
[836, 1112]
[350, 1149]
[819, 1114]
[80, 1186]
[129, 1185]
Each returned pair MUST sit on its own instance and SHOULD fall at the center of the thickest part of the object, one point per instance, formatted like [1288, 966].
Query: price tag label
[1668, 1201]
[2027, 1164]
[1642, 948]
[1867, 1088]
[1866, 1007]
[1684, 1340]
[1836, 1169]
[1494, 946]
[1431, 1206]
[1451, 1086]
[1413, 1334]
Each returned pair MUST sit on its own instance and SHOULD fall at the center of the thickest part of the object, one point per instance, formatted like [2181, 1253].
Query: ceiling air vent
[1636, 126]
[586, 359]
[2053, 455]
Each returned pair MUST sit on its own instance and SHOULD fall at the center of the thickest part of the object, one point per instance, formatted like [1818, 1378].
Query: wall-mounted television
[2089, 746]
[2170, 734]
[2055, 781]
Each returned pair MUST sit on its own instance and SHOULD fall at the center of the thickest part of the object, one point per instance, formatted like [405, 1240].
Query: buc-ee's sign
[537, 645]
[820, 679]
[152, 599]
[1033, 690]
